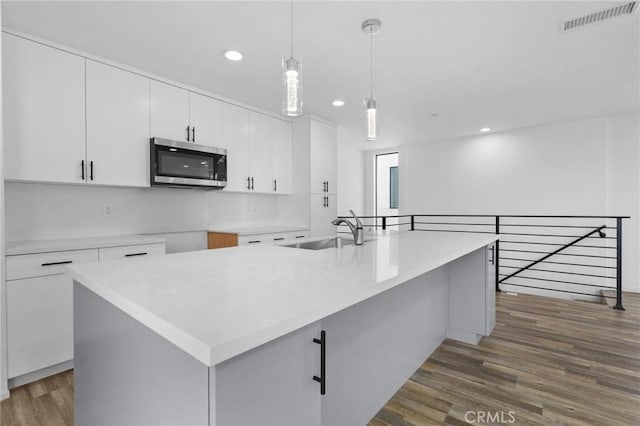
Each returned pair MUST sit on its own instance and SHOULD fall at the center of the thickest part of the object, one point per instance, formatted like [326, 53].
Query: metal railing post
[498, 255]
[619, 265]
[384, 223]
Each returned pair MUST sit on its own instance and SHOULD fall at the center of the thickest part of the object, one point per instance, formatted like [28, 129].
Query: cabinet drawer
[253, 239]
[42, 264]
[131, 251]
[39, 323]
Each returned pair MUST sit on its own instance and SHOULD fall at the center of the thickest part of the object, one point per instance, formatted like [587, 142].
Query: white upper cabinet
[282, 157]
[44, 112]
[117, 126]
[205, 117]
[70, 119]
[235, 139]
[323, 152]
[169, 112]
[260, 160]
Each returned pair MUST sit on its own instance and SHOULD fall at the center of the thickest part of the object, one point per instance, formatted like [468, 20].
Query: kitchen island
[271, 335]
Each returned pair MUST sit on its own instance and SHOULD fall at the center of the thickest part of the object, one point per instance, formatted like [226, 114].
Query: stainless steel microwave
[187, 165]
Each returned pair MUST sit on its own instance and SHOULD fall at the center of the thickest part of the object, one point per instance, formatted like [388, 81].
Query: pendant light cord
[291, 13]
[371, 60]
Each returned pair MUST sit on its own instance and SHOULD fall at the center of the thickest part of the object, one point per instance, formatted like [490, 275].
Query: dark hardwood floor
[548, 361]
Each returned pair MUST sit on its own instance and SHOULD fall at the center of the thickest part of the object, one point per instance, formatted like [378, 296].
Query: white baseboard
[40, 374]
[464, 336]
[4, 395]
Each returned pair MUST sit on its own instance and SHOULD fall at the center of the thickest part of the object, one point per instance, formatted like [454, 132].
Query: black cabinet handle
[254, 241]
[82, 169]
[188, 133]
[327, 186]
[64, 262]
[323, 365]
[193, 134]
[252, 183]
[493, 254]
[275, 185]
[278, 239]
[248, 183]
[300, 236]
[136, 254]
[91, 170]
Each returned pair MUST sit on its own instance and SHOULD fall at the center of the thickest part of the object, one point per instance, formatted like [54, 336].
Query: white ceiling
[502, 65]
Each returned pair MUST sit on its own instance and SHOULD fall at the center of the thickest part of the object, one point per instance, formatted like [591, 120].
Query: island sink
[335, 242]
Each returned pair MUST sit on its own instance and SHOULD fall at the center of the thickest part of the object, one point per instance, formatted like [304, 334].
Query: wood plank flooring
[548, 361]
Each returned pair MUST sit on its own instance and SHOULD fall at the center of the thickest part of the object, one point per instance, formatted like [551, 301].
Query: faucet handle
[358, 223]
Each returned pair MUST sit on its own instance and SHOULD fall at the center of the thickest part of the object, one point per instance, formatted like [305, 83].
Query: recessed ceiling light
[232, 55]
[337, 103]
[485, 130]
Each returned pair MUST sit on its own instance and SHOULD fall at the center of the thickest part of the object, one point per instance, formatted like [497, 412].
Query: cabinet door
[323, 152]
[235, 139]
[39, 323]
[117, 126]
[261, 135]
[272, 384]
[44, 115]
[205, 116]
[282, 157]
[169, 112]
[323, 212]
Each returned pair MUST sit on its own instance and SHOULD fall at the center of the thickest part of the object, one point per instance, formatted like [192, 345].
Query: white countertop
[14, 248]
[217, 304]
[258, 230]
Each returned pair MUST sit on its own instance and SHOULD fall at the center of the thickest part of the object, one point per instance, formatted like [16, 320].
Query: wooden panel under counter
[221, 239]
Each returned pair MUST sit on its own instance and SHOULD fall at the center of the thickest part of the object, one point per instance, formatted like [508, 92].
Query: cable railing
[545, 254]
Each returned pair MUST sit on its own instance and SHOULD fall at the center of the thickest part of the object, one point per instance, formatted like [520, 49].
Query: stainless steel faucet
[356, 230]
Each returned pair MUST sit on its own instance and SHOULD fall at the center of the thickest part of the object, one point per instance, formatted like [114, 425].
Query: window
[387, 174]
[393, 187]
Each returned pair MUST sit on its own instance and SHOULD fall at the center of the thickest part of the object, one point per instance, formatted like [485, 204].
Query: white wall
[44, 211]
[585, 167]
[4, 389]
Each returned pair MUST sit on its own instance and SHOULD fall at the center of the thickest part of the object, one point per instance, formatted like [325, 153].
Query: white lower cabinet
[39, 322]
[271, 238]
[323, 211]
[40, 307]
[255, 387]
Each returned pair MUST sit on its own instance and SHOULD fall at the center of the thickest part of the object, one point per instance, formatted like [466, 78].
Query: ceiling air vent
[603, 15]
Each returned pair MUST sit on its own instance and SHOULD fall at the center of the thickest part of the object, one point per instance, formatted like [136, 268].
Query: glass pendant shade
[372, 119]
[292, 87]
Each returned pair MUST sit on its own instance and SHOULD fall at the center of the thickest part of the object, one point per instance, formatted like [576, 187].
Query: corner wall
[583, 167]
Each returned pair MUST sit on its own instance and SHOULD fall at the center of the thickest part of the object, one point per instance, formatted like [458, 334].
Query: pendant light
[371, 27]
[291, 81]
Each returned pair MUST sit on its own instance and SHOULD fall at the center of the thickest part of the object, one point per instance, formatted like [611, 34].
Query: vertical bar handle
[493, 254]
[193, 134]
[252, 183]
[323, 362]
[188, 133]
[82, 170]
[91, 169]
[248, 183]
[275, 185]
